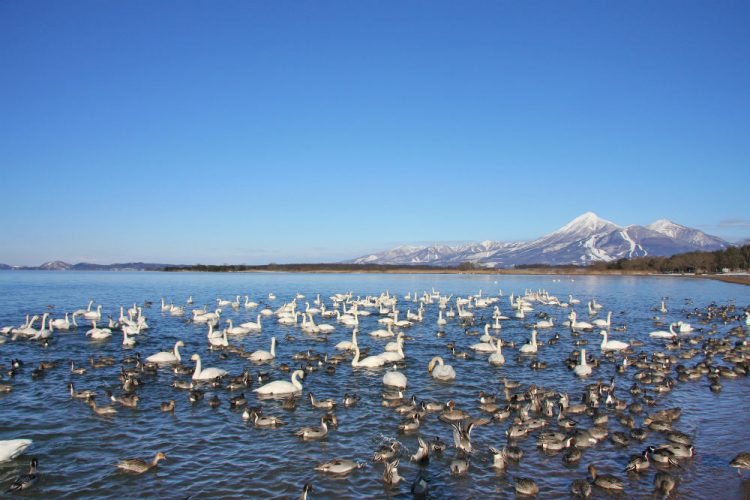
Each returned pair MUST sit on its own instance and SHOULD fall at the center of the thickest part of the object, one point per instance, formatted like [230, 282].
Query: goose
[282, 387]
[612, 345]
[582, 369]
[11, 448]
[497, 358]
[166, 357]
[264, 355]
[137, 466]
[368, 362]
[254, 326]
[98, 333]
[661, 334]
[95, 315]
[439, 370]
[604, 323]
[394, 378]
[207, 373]
[311, 433]
[346, 345]
[26, 480]
[531, 347]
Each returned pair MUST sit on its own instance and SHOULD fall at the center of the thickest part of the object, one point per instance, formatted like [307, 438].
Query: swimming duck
[462, 437]
[741, 461]
[325, 404]
[664, 483]
[499, 459]
[310, 433]
[137, 466]
[339, 467]
[263, 421]
[390, 474]
[638, 463]
[387, 452]
[126, 400]
[104, 411]
[606, 482]
[168, 406]
[525, 486]
[422, 455]
[26, 481]
[79, 394]
[580, 488]
[350, 400]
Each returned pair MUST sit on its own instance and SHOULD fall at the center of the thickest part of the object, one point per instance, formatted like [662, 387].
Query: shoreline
[726, 278]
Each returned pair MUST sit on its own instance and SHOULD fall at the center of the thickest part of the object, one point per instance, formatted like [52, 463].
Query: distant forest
[732, 258]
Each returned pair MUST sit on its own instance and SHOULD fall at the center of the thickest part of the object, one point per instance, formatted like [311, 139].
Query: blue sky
[316, 131]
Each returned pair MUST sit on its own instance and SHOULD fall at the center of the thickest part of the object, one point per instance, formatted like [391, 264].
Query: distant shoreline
[542, 271]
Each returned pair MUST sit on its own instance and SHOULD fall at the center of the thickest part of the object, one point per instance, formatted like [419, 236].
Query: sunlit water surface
[213, 452]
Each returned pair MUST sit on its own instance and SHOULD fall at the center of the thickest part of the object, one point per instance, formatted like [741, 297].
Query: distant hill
[59, 265]
[584, 240]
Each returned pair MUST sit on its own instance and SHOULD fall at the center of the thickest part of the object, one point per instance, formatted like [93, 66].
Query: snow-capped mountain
[586, 239]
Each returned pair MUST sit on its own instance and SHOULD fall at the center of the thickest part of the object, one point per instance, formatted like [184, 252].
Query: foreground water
[214, 453]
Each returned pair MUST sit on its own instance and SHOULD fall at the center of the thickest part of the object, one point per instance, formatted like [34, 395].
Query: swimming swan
[282, 387]
[582, 369]
[166, 357]
[207, 373]
[439, 370]
[11, 448]
[265, 355]
[612, 345]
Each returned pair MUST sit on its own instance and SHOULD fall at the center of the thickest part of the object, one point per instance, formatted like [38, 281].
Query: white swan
[205, 374]
[582, 369]
[282, 387]
[662, 334]
[61, 324]
[236, 330]
[368, 362]
[98, 333]
[545, 323]
[394, 378]
[531, 347]
[612, 345]
[684, 327]
[95, 315]
[265, 355]
[391, 356]
[440, 320]
[497, 358]
[11, 448]
[254, 326]
[398, 344]
[439, 370]
[166, 357]
[604, 323]
[249, 304]
[219, 340]
[579, 325]
[127, 341]
[346, 345]
[382, 334]
[484, 346]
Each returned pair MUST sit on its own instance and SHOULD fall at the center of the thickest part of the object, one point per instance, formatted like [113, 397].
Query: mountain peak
[587, 222]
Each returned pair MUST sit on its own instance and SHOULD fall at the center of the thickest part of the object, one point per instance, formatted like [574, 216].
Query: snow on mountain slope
[586, 239]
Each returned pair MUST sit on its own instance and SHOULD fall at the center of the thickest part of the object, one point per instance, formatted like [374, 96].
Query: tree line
[732, 259]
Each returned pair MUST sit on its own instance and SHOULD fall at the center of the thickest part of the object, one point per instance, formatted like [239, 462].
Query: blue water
[213, 452]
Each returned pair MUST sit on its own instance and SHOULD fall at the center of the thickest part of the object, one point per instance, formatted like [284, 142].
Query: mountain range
[584, 240]
[59, 265]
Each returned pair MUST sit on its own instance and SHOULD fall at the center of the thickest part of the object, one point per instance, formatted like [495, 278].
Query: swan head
[195, 357]
[180, 343]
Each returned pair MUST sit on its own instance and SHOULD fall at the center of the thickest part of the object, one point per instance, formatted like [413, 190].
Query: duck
[527, 487]
[638, 463]
[282, 387]
[167, 406]
[104, 411]
[79, 394]
[261, 355]
[440, 371]
[612, 345]
[741, 461]
[137, 466]
[499, 459]
[205, 373]
[394, 378]
[422, 455]
[580, 488]
[311, 433]
[263, 421]
[390, 473]
[582, 369]
[26, 481]
[324, 404]
[606, 482]
[338, 467]
[11, 448]
[664, 483]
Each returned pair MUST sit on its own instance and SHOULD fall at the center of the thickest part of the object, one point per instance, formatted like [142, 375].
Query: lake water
[214, 453]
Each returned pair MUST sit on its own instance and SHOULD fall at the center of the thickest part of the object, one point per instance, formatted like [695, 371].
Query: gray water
[213, 452]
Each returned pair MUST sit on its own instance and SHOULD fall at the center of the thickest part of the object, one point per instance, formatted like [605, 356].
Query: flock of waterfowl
[620, 396]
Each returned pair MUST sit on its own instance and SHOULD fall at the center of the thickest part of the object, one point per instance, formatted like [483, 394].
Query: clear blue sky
[207, 131]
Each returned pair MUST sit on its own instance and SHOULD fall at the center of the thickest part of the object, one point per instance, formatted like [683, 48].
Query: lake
[213, 452]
